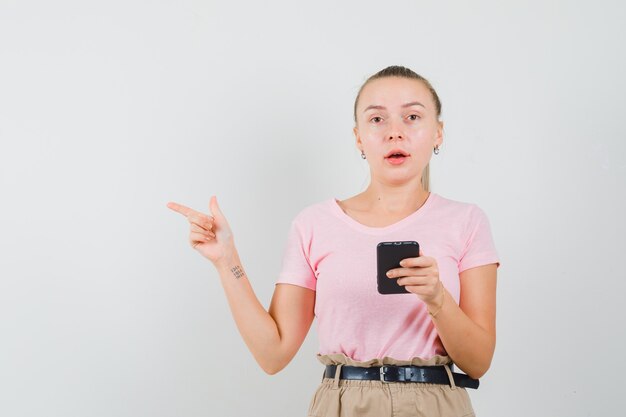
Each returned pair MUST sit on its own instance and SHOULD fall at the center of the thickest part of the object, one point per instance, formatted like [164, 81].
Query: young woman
[385, 354]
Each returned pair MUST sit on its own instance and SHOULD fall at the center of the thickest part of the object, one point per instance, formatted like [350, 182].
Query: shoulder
[313, 212]
[466, 212]
[457, 206]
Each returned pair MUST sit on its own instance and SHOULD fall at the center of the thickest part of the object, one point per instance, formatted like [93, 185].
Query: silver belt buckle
[382, 375]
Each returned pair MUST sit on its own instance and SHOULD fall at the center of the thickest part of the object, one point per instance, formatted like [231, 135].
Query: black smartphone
[388, 256]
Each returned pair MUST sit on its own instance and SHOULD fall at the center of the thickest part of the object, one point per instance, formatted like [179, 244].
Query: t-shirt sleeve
[296, 267]
[479, 246]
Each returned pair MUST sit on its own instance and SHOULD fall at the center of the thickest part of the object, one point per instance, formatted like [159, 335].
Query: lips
[396, 153]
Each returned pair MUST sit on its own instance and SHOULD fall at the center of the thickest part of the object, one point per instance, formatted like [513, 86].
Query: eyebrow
[413, 103]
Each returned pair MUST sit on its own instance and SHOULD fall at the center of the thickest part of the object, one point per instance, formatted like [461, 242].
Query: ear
[439, 134]
[355, 130]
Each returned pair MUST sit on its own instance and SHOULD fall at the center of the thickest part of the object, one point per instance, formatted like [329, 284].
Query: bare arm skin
[467, 330]
[273, 337]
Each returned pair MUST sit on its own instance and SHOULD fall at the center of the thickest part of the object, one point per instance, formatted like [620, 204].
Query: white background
[108, 110]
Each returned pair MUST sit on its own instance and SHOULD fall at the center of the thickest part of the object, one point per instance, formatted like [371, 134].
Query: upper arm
[293, 309]
[478, 296]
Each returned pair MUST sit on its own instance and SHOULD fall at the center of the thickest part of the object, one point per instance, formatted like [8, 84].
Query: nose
[395, 131]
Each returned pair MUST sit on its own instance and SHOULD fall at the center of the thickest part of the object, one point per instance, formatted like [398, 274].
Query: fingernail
[389, 274]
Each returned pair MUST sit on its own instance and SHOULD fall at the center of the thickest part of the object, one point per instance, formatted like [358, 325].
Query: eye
[414, 117]
[375, 117]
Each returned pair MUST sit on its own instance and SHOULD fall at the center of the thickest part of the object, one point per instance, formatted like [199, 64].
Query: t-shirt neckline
[425, 207]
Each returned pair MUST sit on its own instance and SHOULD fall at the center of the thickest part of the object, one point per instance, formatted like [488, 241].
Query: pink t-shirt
[333, 254]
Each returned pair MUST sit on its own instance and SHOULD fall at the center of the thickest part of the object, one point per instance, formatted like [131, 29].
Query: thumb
[214, 208]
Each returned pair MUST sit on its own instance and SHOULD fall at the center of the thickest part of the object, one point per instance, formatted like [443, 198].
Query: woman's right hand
[210, 234]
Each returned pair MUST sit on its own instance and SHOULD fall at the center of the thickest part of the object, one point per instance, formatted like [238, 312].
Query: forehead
[395, 91]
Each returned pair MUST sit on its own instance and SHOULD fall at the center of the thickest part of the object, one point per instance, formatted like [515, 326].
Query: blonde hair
[403, 72]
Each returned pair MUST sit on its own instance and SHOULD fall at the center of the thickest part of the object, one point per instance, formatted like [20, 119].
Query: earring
[363, 155]
[436, 151]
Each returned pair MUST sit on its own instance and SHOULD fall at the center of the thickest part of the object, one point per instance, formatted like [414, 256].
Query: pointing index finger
[184, 210]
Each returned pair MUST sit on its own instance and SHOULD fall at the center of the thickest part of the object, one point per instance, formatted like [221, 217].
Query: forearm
[255, 324]
[470, 346]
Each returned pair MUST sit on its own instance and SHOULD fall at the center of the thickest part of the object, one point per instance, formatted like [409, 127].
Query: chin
[401, 178]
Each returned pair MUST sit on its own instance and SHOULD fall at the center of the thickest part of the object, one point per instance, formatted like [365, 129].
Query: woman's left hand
[419, 275]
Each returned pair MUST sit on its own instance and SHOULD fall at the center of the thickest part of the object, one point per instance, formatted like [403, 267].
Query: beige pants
[336, 397]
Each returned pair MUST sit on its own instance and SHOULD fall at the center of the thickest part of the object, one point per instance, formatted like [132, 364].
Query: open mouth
[396, 154]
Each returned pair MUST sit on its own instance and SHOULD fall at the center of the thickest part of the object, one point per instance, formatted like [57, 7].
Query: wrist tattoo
[237, 271]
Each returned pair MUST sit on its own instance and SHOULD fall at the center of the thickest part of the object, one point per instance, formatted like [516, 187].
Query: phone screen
[388, 256]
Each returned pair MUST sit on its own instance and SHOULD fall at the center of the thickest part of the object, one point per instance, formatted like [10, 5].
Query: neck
[406, 197]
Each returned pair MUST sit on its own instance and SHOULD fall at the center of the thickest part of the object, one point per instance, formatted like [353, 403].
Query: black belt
[390, 373]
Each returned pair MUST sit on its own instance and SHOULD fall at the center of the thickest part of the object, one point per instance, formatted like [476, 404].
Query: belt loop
[452, 384]
[337, 374]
